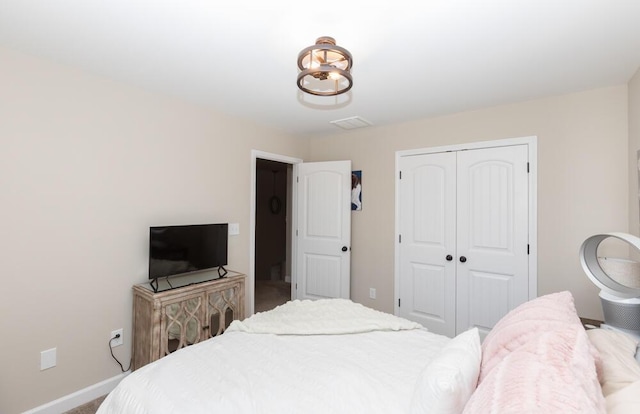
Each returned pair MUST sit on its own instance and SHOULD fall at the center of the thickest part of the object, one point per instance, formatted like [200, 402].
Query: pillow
[624, 401]
[619, 367]
[555, 311]
[554, 372]
[445, 385]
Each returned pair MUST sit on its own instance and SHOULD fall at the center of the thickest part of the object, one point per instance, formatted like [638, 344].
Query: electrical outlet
[119, 340]
[372, 293]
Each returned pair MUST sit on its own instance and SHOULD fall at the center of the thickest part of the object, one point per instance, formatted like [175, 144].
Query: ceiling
[411, 59]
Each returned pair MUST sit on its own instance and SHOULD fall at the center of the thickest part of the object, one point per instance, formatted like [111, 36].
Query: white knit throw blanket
[321, 317]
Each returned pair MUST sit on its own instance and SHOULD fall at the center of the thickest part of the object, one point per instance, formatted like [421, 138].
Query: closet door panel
[486, 301]
[492, 234]
[427, 230]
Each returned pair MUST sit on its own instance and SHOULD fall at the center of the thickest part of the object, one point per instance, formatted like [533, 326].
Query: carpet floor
[89, 408]
[271, 293]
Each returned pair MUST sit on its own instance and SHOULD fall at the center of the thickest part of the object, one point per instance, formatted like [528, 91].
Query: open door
[323, 235]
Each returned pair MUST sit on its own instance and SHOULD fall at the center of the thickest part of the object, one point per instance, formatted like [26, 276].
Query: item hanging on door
[356, 190]
[275, 205]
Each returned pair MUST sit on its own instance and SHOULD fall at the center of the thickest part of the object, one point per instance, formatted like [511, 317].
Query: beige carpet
[271, 293]
[89, 408]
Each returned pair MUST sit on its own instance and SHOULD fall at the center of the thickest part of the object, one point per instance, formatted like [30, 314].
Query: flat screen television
[178, 250]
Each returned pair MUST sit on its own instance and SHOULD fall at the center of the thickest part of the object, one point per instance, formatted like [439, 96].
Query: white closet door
[492, 235]
[427, 229]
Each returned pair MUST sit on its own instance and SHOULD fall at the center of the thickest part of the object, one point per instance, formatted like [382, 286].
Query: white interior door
[323, 241]
[492, 235]
[427, 247]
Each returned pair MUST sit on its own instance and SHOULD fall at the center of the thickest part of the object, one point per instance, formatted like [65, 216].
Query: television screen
[175, 250]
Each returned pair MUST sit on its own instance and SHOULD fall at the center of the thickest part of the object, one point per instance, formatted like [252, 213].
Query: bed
[337, 356]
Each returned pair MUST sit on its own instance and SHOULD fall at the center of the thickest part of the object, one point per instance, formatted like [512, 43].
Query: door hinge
[296, 232]
[527, 249]
[297, 179]
[400, 172]
[527, 168]
[296, 286]
[399, 238]
[398, 302]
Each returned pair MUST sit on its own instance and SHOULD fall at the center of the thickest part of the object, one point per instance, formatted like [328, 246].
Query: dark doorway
[272, 241]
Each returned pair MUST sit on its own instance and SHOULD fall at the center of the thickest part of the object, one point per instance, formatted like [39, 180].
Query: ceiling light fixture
[325, 69]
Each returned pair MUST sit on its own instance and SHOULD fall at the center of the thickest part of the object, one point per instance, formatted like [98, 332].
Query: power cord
[114, 357]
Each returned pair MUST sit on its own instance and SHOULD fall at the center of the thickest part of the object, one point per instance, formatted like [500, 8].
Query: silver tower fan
[619, 281]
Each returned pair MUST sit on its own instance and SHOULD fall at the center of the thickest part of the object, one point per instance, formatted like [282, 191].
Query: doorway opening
[272, 267]
[317, 261]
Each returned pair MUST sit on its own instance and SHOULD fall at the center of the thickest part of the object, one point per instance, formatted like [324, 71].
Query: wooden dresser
[171, 319]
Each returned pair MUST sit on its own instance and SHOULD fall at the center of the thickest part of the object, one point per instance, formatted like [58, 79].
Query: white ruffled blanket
[321, 317]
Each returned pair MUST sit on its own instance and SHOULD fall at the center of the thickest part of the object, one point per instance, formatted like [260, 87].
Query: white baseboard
[80, 397]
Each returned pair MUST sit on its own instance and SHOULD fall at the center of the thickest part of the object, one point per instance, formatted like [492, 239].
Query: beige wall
[86, 166]
[582, 182]
[634, 146]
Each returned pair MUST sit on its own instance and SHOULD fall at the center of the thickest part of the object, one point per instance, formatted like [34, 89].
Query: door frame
[532, 145]
[251, 282]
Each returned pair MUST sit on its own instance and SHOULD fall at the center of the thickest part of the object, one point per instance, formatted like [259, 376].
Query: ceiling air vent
[351, 122]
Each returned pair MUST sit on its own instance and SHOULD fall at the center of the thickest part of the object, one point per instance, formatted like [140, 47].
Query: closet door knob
[463, 259]
[344, 248]
[449, 258]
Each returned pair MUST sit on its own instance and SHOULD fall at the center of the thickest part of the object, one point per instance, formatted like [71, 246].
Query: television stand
[166, 321]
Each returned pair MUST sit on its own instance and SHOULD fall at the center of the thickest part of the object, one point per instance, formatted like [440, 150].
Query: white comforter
[319, 369]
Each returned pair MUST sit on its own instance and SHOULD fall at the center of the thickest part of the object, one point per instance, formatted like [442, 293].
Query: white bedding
[240, 372]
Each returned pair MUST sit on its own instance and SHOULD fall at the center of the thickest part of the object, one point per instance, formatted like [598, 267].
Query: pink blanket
[538, 359]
